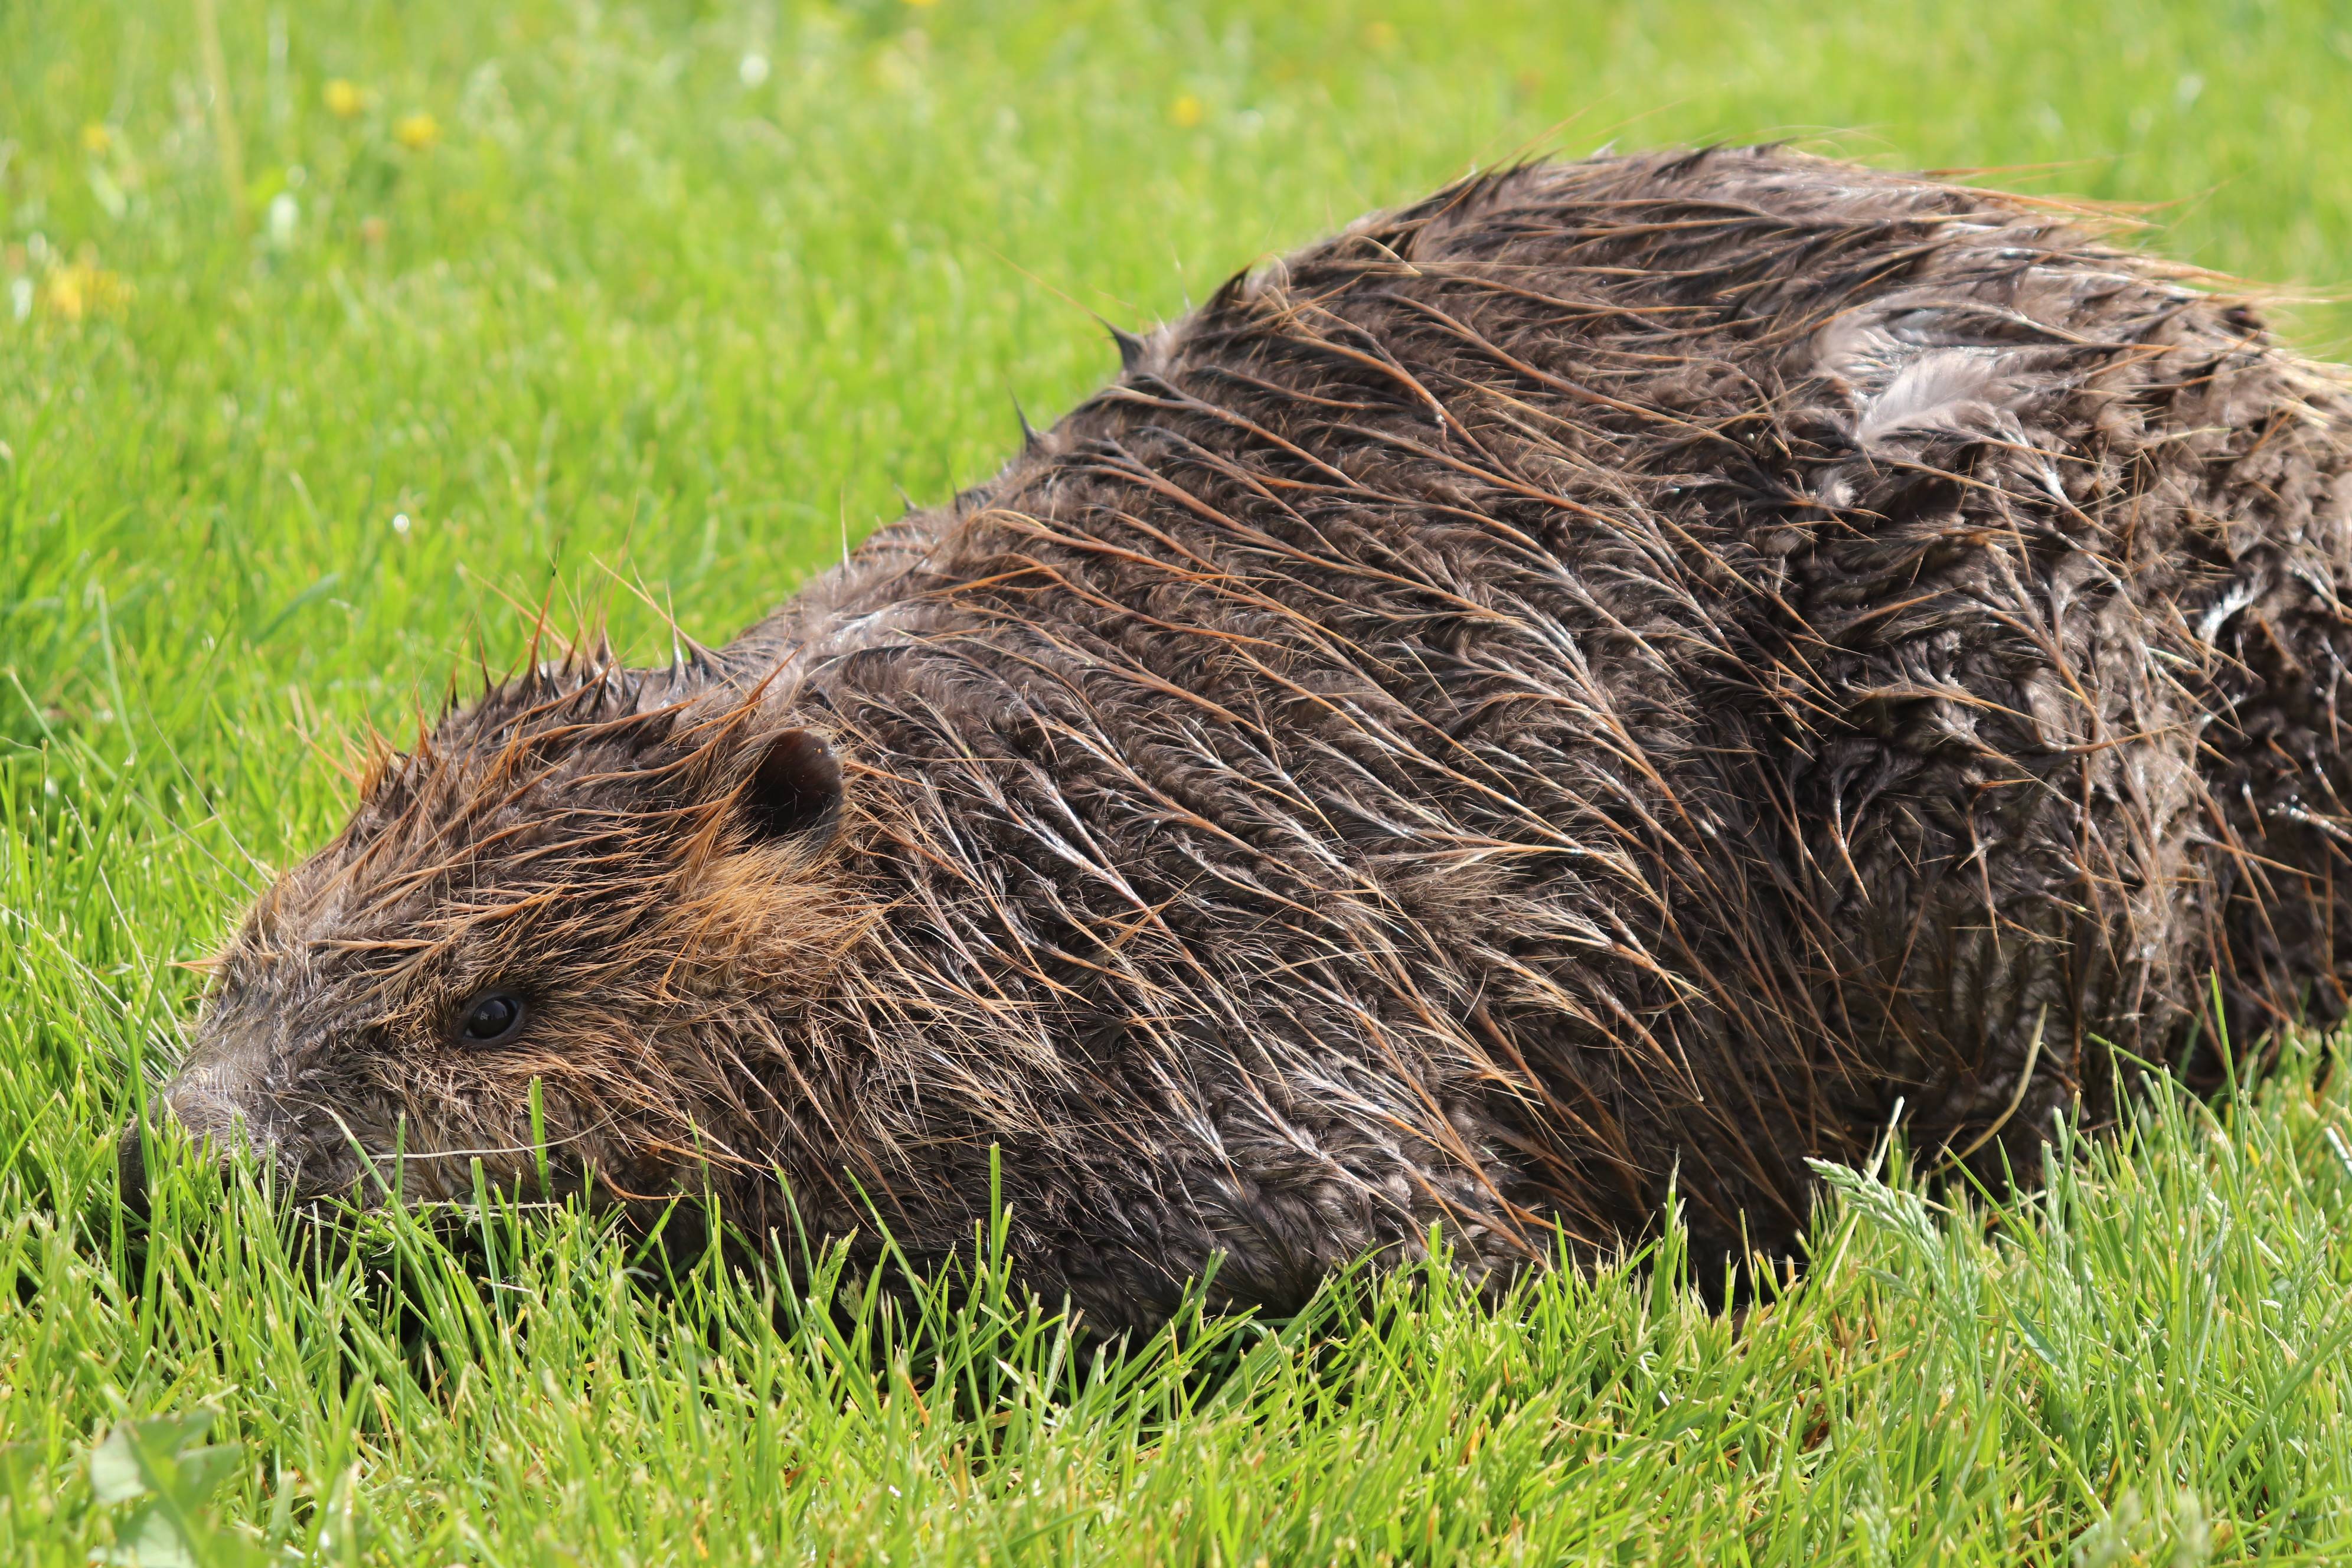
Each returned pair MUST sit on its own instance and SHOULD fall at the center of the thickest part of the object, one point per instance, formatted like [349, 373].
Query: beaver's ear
[794, 787]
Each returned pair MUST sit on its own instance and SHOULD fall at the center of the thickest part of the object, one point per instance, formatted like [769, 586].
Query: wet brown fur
[1618, 673]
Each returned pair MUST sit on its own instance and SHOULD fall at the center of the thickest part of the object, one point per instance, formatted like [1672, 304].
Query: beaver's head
[576, 919]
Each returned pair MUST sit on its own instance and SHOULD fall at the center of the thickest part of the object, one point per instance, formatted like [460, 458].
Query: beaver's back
[1627, 665]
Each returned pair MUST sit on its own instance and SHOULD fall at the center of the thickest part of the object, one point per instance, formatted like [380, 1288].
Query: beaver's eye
[492, 1018]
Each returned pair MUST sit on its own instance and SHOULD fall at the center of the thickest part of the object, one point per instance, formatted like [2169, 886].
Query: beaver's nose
[130, 1169]
[210, 1123]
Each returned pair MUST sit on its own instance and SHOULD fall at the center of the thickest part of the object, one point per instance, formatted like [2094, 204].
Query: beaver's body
[1628, 667]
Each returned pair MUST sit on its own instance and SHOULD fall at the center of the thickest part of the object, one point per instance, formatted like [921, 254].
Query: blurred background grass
[319, 348]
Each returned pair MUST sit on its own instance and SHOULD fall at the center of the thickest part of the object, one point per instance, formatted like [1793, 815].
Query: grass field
[438, 306]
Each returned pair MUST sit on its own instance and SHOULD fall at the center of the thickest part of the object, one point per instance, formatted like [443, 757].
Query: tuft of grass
[327, 330]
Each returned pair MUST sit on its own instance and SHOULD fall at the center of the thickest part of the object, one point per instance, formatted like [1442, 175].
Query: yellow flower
[416, 132]
[1186, 110]
[85, 289]
[96, 139]
[1381, 35]
[345, 98]
[920, 4]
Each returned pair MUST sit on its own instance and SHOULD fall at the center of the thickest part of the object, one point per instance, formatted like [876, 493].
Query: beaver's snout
[130, 1168]
[213, 1120]
[210, 1123]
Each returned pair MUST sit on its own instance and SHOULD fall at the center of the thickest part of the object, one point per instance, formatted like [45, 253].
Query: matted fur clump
[1614, 675]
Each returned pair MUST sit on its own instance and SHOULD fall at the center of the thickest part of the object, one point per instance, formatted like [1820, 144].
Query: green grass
[640, 312]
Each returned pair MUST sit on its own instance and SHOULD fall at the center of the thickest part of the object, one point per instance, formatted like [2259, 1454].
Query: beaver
[1606, 682]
